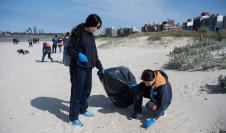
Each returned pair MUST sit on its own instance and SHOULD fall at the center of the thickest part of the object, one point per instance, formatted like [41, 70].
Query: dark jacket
[84, 42]
[160, 92]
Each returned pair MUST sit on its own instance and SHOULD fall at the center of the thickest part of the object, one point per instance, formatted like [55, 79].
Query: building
[124, 31]
[188, 25]
[196, 23]
[219, 22]
[28, 30]
[35, 30]
[110, 31]
[150, 28]
[224, 22]
[169, 25]
[41, 31]
[214, 22]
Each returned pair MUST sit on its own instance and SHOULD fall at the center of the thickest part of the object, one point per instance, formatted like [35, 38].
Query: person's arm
[72, 47]
[164, 102]
[43, 49]
[98, 64]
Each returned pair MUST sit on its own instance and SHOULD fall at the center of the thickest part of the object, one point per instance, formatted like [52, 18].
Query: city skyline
[62, 15]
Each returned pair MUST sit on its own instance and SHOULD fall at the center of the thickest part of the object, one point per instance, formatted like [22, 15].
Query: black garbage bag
[115, 81]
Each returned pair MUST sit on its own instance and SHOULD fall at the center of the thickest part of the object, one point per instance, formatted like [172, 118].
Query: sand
[34, 96]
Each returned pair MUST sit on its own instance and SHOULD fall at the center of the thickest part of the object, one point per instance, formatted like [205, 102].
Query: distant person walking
[65, 41]
[30, 42]
[83, 52]
[60, 44]
[54, 46]
[46, 49]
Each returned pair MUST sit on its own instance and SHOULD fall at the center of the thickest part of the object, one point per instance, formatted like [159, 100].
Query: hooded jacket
[160, 92]
[84, 42]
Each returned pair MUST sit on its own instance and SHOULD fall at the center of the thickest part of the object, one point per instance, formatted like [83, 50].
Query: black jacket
[84, 42]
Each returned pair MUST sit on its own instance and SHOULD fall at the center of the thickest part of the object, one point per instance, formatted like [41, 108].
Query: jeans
[49, 56]
[80, 91]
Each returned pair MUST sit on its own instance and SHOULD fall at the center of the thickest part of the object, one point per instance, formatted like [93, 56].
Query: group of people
[84, 57]
[55, 42]
[32, 41]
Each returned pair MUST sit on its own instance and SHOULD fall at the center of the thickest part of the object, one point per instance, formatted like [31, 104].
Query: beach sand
[34, 96]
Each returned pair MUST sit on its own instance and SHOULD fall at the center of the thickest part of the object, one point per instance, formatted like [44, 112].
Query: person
[46, 49]
[54, 46]
[65, 42]
[22, 51]
[60, 44]
[30, 43]
[84, 57]
[156, 87]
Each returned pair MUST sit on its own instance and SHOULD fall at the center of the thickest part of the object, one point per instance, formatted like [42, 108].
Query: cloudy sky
[62, 15]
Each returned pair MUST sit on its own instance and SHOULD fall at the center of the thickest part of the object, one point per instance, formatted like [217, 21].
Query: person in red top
[46, 49]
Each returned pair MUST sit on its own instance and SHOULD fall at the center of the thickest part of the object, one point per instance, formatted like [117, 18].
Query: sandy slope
[34, 96]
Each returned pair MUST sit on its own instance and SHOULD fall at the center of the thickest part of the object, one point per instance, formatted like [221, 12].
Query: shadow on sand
[57, 106]
[52, 105]
[214, 89]
[48, 61]
[108, 107]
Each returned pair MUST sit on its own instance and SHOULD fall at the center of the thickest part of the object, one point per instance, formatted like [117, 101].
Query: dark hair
[67, 34]
[148, 75]
[92, 20]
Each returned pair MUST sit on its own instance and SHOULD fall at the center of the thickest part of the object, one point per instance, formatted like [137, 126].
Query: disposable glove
[149, 122]
[101, 72]
[82, 57]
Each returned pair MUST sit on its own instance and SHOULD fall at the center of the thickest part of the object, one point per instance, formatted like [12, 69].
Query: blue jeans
[80, 91]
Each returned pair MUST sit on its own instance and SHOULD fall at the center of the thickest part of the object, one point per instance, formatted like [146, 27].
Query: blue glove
[82, 57]
[132, 86]
[149, 122]
[101, 72]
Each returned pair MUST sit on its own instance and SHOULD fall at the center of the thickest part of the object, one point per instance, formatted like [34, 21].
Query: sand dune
[35, 96]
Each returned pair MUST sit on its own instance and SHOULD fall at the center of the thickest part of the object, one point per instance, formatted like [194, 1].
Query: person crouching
[156, 87]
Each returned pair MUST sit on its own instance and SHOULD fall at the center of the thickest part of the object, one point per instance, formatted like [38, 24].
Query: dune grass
[198, 56]
[222, 81]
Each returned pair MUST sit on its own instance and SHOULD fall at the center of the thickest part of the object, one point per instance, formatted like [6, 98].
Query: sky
[62, 15]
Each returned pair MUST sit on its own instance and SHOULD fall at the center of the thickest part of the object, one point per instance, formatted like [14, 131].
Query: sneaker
[77, 123]
[88, 114]
[135, 116]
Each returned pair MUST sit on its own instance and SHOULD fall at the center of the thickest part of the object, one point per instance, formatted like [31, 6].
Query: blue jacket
[160, 92]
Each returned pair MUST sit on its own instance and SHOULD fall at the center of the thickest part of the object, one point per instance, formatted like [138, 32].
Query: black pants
[54, 47]
[80, 91]
[49, 56]
[139, 93]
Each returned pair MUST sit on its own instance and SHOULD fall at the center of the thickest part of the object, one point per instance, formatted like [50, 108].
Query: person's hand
[82, 57]
[132, 86]
[101, 72]
[149, 122]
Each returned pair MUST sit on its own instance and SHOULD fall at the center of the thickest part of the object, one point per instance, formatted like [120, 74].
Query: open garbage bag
[115, 82]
